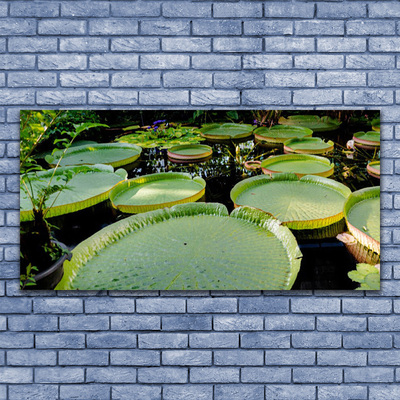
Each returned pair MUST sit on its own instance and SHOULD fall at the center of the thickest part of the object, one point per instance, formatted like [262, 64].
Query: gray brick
[183, 9]
[3, 323]
[289, 323]
[382, 10]
[289, 79]
[239, 80]
[341, 45]
[2, 81]
[32, 323]
[165, 27]
[138, 44]
[366, 28]
[163, 340]
[155, 98]
[187, 323]
[12, 151]
[220, 97]
[341, 323]
[84, 79]
[85, 9]
[290, 392]
[315, 375]
[346, 10]
[215, 62]
[17, 61]
[386, 44]
[266, 340]
[260, 96]
[384, 78]
[83, 357]
[32, 392]
[17, 305]
[162, 375]
[111, 375]
[16, 340]
[344, 392]
[186, 357]
[32, 45]
[16, 375]
[37, 9]
[321, 96]
[240, 10]
[214, 340]
[367, 341]
[135, 357]
[113, 61]
[214, 375]
[62, 97]
[60, 375]
[136, 392]
[372, 61]
[212, 305]
[57, 306]
[316, 27]
[89, 45]
[179, 392]
[3, 9]
[384, 357]
[342, 358]
[241, 323]
[290, 357]
[108, 96]
[111, 340]
[263, 305]
[129, 9]
[217, 27]
[186, 79]
[19, 26]
[84, 323]
[237, 45]
[325, 306]
[135, 322]
[113, 26]
[265, 374]
[238, 357]
[61, 27]
[319, 340]
[271, 28]
[342, 78]
[368, 97]
[319, 61]
[61, 61]
[32, 79]
[31, 357]
[98, 392]
[367, 306]
[387, 323]
[60, 341]
[369, 374]
[164, 61]
[109, 305]
[193, 45]
[288, 10]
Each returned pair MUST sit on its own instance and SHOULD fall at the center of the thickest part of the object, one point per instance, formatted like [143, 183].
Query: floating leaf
[308, 145]
[221, 133]
[313, 122]
[367, 140]
[278, 134]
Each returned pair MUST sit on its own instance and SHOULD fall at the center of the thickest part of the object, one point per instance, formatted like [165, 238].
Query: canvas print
[200, 200]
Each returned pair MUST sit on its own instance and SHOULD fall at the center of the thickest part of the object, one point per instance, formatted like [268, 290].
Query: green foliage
[164, 137]
[28, 279]
[367, 276]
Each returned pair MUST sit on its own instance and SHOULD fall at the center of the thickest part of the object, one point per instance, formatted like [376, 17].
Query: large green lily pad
[313, 122]
[194, 246]
[300, 164]
[153, 191]
[278, 134]
[374, 169]
[190, 152]
[308, 145]
[309, 203]
[114, 154]
[367, 140]
[362, 213]
[221, 133]
[79, 187]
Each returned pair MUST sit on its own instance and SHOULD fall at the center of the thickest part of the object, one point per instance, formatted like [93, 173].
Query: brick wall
[199, 54]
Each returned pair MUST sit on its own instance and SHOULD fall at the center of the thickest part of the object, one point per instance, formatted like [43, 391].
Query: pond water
[325, 262]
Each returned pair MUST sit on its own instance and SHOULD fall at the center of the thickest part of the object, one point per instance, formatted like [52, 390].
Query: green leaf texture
[313, 122]
[278, 134]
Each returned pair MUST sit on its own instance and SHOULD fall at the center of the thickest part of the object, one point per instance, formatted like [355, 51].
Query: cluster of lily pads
[175, 242]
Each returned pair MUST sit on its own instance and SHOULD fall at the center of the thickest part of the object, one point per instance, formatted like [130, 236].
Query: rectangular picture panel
[200, 200]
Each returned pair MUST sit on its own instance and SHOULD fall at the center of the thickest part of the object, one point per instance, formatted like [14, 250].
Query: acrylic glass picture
[200, 200]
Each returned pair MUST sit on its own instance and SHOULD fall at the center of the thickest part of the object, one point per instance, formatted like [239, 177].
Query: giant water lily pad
[114, 154]
[194, 246]
[221, 133]
[311, 203]
[300, 164]
[362, 213]
[150, 192]
[313, 122]
[374, 169]
[79, 187]
[308, 145]
[278, 134]
[190, 152]
[367, 140]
